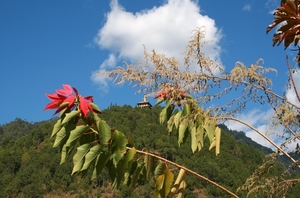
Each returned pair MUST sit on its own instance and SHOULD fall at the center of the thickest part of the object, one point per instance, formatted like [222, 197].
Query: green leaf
[76, 133]
[168, 102]
[118, 146]
[135, 176]
[194, 142]
[164, 183]
[70, 116]
[91, 156]
[61, 137]
[170, 123]
[56, 127]
[65, 152]
[212, 145]
[149, 166]
[100, 163]
[200, 137]
[158, 101]
[104, 132]
[160, 169]
[79, 157]
[182, 129]
[186, 110]
[210, 127]
[177, 119]
[163, 115]
[94, 106]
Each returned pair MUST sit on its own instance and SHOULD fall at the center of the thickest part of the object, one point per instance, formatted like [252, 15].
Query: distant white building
[144, 103]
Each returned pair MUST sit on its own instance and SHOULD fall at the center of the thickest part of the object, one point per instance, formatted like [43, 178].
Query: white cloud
[258, 119]
[290, 93]
[166, 29]
[247, 7]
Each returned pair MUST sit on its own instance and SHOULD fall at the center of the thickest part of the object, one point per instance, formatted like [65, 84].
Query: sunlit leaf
[118, 146]
[78, 158]
[91, 156]
[218, 140]
[164, 183]
[212, 145]
[61, 137]
[160, 169]
[163, 115]
[181, 131]
[159, 100]
[210, 127]
[56, 127]
[177, 119]
[194, 142]
[76, 133]
[104, 132]
[200, 137]
[70, 116]
[186, 110]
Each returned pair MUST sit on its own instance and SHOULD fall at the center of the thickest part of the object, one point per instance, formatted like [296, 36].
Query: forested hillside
[29, 166]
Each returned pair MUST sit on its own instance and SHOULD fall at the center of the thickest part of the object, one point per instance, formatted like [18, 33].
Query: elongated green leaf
[100, 163]
[94, 106]
[61, 137]
[212, 145]
[160, 169]
[163, 115]
[76, 133]
[186, 110]
[149, 166]
[194, 142]
[210, 127]
[164, 183]
[65, 152]
[90, 157]
[200, 137]
[56, 127]
[79, 157]
[70, 116]
[135, 176]
[169, 178]
[158, 101]
[218, 140]
[170, 123]
[168, 102]
[169, 112]
[177, 119]
[159, 185]
[104, 132]
[182, 129]
[118, 146]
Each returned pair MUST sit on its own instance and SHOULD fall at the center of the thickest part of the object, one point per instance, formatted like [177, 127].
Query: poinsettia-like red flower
[69, 98]
[161, 94]
[288, 17]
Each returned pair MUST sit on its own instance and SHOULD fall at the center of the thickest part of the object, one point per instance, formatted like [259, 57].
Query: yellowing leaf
[193, 139]
[218, 140]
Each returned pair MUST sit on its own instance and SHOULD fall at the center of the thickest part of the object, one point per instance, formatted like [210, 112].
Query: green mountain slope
[29, 166]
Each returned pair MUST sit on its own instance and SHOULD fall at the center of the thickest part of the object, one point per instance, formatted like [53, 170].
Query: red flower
[161, 94]
[69, 98]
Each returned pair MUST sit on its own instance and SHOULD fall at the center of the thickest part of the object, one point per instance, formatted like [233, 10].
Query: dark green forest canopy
[29, 166]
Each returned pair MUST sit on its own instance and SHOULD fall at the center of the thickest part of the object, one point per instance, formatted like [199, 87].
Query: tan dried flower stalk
[210, 84]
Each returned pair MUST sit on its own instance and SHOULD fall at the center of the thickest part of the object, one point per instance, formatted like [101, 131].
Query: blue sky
[45, 44]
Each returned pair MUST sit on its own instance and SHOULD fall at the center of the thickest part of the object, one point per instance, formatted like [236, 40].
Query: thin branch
[187, 170]
[265, 137]
[292, 79]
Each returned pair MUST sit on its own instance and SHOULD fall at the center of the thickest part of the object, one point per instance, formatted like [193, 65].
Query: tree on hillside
[196, 98]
